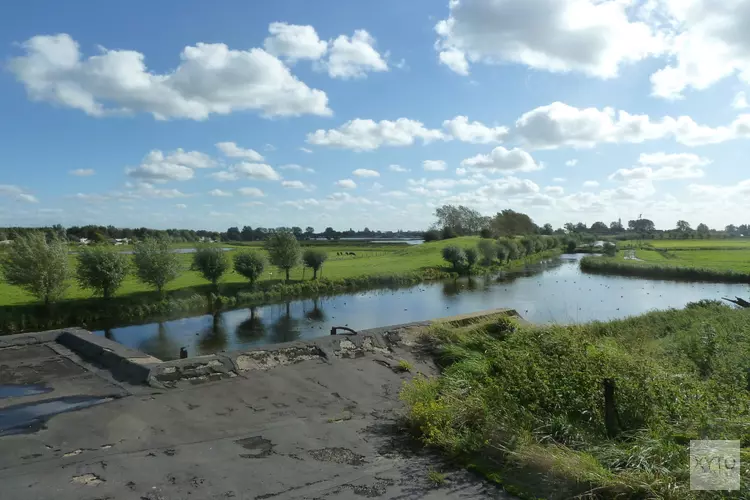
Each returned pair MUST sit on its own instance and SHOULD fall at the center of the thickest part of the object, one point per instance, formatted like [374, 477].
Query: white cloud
[443, 183]
[554, 190]
[474, 132]
[231, 150]
[455, 60]
[29, 198]
[219, 193]
[354, 57]
[423, 191]
[364, 172]
[297, 168]
[17, 193]
[590, 184]
[503, 160]
[247, 169]
[181, 206]
[306, 150]
[82, 172]
[740, 101]
[590, 36]
[559, 179]
[251, 191]
[662, 166]
[250, 204]
[176, 166]
[294, 42]
[397, 168]
[571, 163]
[346, 184]
[368, 135]
[302, 204]
[396, 194]
[717, 192]
[434, 165]
[297, 185]
[211, 78]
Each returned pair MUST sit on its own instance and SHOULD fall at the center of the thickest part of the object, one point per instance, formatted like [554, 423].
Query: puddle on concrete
[18, 390]
[258, 446]
[30, 417]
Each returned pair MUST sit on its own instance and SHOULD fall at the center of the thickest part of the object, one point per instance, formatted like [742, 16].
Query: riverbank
[658, 267]
[525, 405]
[146, 307]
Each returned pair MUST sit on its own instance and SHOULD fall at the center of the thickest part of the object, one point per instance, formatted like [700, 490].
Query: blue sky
[189, 114]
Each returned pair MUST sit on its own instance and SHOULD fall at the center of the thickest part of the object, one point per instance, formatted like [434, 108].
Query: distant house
[84, 241]
[120, 241]
[206, 239]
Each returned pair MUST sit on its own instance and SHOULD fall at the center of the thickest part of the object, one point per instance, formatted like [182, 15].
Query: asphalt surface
[319, 428]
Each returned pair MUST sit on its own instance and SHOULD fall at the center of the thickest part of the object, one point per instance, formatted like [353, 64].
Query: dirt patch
[337, 456]
[264, 360]
[87, 479]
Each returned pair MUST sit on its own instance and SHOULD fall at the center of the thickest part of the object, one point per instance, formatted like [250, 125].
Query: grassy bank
[190, 294]
[663, 269]
[526, 407]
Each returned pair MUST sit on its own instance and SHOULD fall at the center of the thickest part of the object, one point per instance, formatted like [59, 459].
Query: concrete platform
[302, 420]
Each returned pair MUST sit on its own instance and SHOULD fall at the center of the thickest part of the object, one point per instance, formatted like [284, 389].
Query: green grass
[524, 405]
[369, 261]
[689, 244]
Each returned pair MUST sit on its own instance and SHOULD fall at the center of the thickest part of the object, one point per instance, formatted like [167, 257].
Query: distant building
[84, 241]
[120, 241]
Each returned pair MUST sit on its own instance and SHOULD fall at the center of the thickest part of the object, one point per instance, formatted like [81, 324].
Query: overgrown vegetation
[526, 405]
[649, 270]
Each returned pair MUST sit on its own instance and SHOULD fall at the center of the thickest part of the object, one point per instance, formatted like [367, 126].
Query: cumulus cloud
[589, 36]
[297, 168]
[443, 183]
[181, 206]
[82, 172]
[434, 165]
[251, 191]
[475, 132]
[354, 57]
[210, 79]
[294, 42]
[554, 190]
[259, 171]
[397, 168]
[232, 150]
[559, 179]
[175, 166]
[16, 193]
[590, 184]
[346, 184]
[740, 101]
[219, 193]
[297, 185]
[662, 167]
[364, 172]
[721, 192]
[571, 163]
[306, 150]
[503, 160]
[368, 135]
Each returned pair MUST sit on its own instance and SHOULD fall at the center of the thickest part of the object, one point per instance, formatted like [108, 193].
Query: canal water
[550, 292]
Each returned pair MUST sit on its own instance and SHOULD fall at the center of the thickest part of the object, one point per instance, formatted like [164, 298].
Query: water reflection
[554, 291]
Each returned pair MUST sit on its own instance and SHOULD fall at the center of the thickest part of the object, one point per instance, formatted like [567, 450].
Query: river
[551, 292]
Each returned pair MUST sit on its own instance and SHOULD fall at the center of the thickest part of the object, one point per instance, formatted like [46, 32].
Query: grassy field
[525, 405]
[689, 244]
[369, 260]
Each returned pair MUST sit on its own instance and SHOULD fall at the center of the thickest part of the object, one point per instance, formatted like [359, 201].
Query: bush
[455, 256]
[471, 257]
[250, 265]
[314, 259]
[38, 267]
[570, 246]
[610, 249]
[431, 235]
[488, 250]
[485, 233]
[448, 233]
[502, 252]
[211, 262]
[155, 263]
[284, 250]
[102, 269]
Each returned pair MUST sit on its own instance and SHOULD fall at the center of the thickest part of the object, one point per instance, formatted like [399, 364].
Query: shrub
[485, 233]
[211, 262]
[314, 259]
[471, 257]
[448, 233]
[102, 269]
[570, 246]
[455, 256]
[250, 265]
[39, 267]
[488, 250]
[610, 249]
[502, 252]
[155, 263]
[431, 235]
[284, 250]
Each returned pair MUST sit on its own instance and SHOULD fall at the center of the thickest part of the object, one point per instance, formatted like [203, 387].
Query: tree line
[41, 266]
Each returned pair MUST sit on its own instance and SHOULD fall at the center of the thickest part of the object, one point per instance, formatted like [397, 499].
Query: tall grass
[525, 405]
[648, 270]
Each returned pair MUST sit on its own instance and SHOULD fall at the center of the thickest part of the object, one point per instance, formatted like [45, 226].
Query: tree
[211, 262]
[485, 233]
[570, 246]
[330, 234]
[455, 256]
[488, 250]
[501, 251]
[512, 223]
[570, 227]
[703, 231]
[233, 234]
[512, 251]
[155, 263]
[683, 227]
[641, 226]
[547, 229]
[471, 257]
[431, 235]
[102, 269]
[250, 265]
[309, 233]
[528, 245]
[284, 250]
[610, 249]
[460, 219]
[448, 233]
[37, 266]
[616, 226]
[297, 232]
[246, 234]
[314, 259]
[599, 228]
[581, 227]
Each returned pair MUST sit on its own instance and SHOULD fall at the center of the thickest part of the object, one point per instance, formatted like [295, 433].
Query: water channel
[550, 292]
